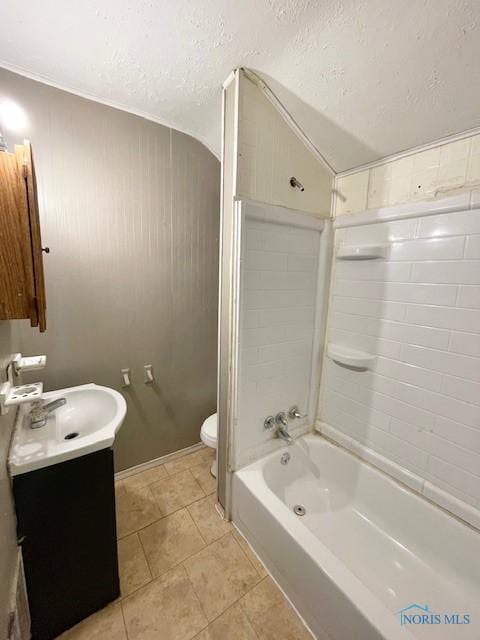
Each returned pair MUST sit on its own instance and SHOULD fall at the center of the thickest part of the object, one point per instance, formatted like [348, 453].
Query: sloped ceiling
[363, 78]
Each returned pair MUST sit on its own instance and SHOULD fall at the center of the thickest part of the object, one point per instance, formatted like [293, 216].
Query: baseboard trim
[125, 473]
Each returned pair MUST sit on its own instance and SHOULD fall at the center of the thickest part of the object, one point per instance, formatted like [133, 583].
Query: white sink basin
[93, 413]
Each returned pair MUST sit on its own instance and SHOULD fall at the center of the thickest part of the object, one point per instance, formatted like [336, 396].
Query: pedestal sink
[88, 422]
[63, 485]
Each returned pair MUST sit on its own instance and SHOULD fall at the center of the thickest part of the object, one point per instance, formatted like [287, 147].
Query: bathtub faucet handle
[269, 423]
[294, 413]
[281, 419]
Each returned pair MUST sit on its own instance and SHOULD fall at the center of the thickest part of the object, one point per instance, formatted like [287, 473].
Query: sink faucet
[39, 412]
[282, 427]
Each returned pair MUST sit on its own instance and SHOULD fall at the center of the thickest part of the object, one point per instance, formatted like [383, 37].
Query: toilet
[208, 434]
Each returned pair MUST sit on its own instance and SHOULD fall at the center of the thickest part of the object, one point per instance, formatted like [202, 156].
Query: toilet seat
[209, 431]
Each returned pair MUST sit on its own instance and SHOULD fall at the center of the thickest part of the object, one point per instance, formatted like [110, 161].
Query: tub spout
[284, 435]
[282, 427]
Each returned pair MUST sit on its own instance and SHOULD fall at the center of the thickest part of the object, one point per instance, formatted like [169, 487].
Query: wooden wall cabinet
[22, 283]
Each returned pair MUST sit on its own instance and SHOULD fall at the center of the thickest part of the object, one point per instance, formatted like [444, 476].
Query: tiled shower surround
[277, 326]
[419, 312]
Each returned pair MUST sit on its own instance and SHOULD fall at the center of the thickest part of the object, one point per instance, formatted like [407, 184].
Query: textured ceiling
[363, 78]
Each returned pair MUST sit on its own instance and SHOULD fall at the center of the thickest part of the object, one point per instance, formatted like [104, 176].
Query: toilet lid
[210, 428]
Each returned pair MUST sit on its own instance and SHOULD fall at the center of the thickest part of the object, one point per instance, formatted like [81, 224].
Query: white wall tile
[381, 232]
[444, 317]
[419, 405]
[372, 308]
[351, 193]
[457, 456]
[449, 224]
[454, 476]
[468, 297]
[466, 437]
[410, 374]
[370, 344]
[373, 270]
[473, 167]
[398, 331]
[435, 294]
[448, 272]
[467, 343]
[277, 314]
[428, 174]
[270, 261]
[444, 361]
[472, 248]
[461, 389]
[429, 249]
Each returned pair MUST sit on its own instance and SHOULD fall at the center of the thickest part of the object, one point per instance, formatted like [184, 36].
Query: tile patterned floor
[184, 572]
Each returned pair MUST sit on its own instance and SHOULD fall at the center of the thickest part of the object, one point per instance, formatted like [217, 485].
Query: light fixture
[12, 116]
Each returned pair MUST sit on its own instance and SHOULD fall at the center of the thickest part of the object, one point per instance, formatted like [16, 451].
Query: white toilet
[209, 436]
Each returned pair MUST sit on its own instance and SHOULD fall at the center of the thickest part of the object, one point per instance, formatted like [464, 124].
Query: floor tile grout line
[177, 564]
[196, 596]
[234, 604]
[284, 599]
[197, 528]
[244, 594]
[161, 517]
[122, 598]
[145, 556]
[206, 544]
[124, 622]
[181, 458]
[168, 473]
[251, 550]
[246, 556]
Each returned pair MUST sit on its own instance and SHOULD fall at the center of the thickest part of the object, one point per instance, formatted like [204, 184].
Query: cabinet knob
[46, 249]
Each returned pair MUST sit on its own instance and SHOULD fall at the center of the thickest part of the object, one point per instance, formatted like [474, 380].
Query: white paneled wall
[419, 312]
[270, 153]
[277, 314]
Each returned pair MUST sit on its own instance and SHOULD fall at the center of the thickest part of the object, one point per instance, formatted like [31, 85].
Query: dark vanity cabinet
[67, 530]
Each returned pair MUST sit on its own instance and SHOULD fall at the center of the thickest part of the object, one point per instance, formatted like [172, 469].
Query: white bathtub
[366, 548]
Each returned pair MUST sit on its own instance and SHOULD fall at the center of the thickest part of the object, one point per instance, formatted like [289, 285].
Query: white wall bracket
[149, 379]
[31, 363]
[125, 377]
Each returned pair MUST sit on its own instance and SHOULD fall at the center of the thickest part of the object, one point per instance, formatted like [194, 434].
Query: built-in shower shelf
[362, 252]
[351, 358]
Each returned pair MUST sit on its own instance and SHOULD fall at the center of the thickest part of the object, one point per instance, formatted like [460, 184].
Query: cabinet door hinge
[11, 625]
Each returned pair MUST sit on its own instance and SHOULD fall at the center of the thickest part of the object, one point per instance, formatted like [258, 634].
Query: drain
[299, 510]
[71, 436]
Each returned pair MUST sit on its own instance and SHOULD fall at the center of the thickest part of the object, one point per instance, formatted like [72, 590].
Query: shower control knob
[295, 414]
[269, 423]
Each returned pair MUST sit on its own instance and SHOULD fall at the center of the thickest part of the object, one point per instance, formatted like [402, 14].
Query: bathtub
[369, 559]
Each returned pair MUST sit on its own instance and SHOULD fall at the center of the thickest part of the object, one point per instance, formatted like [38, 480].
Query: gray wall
[8, 538]
[130, 211]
